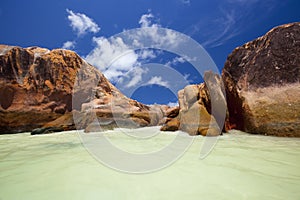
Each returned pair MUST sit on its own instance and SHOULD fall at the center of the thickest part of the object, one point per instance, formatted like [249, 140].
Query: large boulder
[172, 112]
[202, 108]
[172, 124]
[197, 121]
[58, 90]
[190, 96]
[262, 82]
[35, 86]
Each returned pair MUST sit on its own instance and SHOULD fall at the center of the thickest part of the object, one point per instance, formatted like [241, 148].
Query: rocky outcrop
[171, 122]
[262, 82]
[202, 108]
[58, 89]
[35, 86]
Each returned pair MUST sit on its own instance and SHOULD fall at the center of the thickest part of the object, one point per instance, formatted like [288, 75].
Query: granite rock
[262, 83]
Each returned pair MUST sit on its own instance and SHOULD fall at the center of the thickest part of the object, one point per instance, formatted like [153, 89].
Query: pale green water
[240, 166]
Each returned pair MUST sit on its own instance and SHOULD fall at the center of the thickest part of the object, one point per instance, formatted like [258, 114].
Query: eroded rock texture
[202, 108]
[262, 83]
[43, 88]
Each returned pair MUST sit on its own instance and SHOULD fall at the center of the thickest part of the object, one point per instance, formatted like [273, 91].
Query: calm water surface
[241, 166]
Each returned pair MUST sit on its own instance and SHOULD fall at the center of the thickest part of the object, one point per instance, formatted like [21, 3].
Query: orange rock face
[35, 86]
[39, 87]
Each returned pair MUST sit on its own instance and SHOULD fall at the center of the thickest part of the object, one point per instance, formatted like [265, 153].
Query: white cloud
[112, 56]
[115, 58]
[146, 20]
[136, 76]
[230, 20]
[173, 104]
[69, 45]
[146, 54]
[225, 28]
[179, 59]
[81, 23]
[168, 38]
[158, 81]
[175, 61]
[152, 32]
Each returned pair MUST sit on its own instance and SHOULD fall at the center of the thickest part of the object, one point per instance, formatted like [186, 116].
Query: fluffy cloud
[151, 31]
[119, 60]
[81, 23]
[175, 61]
[146, 20]
[68, 45]
[158, 37]
[116, 58]
[158, 81]
[146, 54]
[112, 56]
[136, 76]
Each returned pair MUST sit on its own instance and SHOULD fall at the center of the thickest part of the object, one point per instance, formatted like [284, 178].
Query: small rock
[46, 130]
[171, 125]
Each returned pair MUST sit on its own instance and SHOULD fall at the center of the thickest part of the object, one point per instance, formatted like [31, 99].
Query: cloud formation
[81, 23]
[226, 29]
[229, 19]
[123, 58]
[112, 56]
[115, 58]
[175, 61]
[135, 76]
[157, 80]
[146, 20]
[69, 45]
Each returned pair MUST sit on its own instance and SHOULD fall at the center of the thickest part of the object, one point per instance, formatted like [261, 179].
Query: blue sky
[86, 26]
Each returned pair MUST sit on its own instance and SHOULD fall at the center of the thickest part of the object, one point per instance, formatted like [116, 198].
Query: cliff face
[35, 86]
[262, 82]
[39, 87]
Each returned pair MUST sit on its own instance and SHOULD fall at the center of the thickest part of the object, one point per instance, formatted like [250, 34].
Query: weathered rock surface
[35, 86]
[202, 108]
[262, 82]
[58, 89]
[172, 124]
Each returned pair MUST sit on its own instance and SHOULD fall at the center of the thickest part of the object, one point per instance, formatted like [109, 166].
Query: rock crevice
[202, 108]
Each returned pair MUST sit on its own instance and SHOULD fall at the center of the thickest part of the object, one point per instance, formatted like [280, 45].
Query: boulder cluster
[261, 80]
[258, 92]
